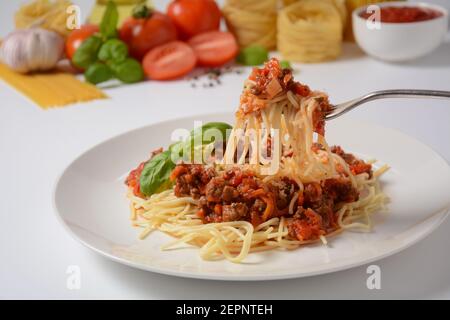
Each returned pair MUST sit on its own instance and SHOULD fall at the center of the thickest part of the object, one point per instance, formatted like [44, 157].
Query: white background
[36, 145]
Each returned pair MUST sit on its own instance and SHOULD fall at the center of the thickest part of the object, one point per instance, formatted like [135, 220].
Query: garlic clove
[34, 49]
[12, 52]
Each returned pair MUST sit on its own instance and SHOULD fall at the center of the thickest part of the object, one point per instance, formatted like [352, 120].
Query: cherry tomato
[192, 17]
[77, 36]
[169, 61]
[214, 48]
[144, 33]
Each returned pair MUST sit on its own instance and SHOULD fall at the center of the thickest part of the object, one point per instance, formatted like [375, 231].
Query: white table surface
[36, 145]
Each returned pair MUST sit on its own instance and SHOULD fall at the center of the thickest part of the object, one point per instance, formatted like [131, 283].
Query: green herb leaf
[98, 72]
[128, 71]
[201, 137]
[201, 133]
[113, 50]
[108, 25]
[285, 64]
[206, 136]
[253, 55]
[176, 149]
[155, 176]
[87, 52]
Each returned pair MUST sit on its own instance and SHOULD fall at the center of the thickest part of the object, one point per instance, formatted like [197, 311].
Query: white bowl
[400, 41]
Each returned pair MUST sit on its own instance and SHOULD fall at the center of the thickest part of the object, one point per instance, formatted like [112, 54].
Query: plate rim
[444, 213]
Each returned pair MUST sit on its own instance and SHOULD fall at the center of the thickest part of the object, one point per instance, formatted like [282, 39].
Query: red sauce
[404, 14]
[272, 80]
[240, 195]
[133, 180]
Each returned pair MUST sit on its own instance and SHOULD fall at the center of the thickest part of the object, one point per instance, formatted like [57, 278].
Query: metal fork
[339, 109]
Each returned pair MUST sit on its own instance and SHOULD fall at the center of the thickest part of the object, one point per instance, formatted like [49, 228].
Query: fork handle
[405, 93]
[397, 93]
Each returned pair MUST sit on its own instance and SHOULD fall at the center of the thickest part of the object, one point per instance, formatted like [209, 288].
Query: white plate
[91, 203]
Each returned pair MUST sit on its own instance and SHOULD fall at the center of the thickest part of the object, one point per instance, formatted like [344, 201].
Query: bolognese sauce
[239, 195]
[271, 81]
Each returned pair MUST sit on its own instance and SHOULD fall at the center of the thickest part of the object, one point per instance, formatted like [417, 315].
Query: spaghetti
[50, 15]
[339, 4]
[253, 22]
[311, 31]
[278, 185]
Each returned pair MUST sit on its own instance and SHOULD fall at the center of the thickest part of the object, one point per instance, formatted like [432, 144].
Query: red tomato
[214, 48]
[169, 61]
[192, 17]
[143, 34]
[77, 36]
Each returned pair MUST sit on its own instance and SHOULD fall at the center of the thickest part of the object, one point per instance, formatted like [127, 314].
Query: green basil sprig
[155, 176]
[285, 64]
[199, 135]
[87, 52]
[104, 57]
[113, 50]
[108, 25]
[253, 55]
[199, 132]
[128, 71]
[98, 72]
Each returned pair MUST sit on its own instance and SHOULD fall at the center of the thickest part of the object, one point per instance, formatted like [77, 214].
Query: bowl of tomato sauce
[399, 31]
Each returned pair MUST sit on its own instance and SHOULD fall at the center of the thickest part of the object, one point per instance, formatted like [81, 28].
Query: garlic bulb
[32, 49]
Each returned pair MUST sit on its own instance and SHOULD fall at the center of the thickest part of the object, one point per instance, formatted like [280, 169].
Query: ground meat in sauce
[356, 165]
[235, 195]
[269, 74]
[234, 212]
[229, 193]
[271, 81]
[191, 179]
[307, 226]
[319, 114]
[322, 198]
[284, 190]
[267, 83]
[340, 189]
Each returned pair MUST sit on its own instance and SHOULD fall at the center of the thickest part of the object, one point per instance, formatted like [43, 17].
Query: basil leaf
[253, 55]
[176, 149]
[285, 64]
[155, 176]
[199, 133]
[128, 71]
[108, 25]
[113, 50]
[98, 72]
[86, 54]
